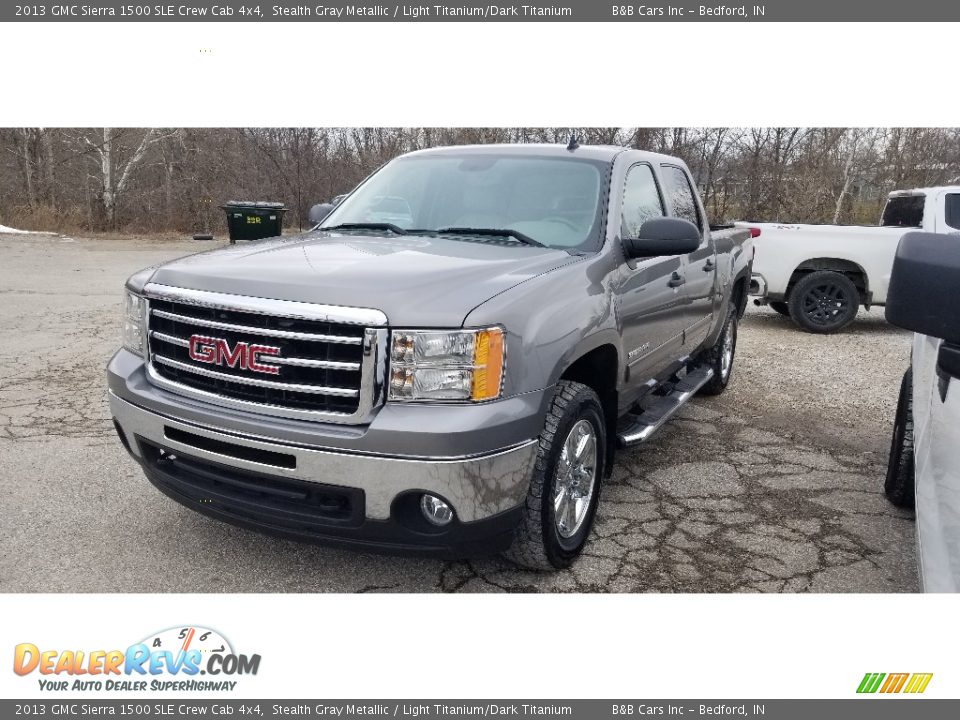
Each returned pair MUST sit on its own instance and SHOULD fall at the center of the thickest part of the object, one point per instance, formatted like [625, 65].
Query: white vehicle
[924, 466]
[820, 275]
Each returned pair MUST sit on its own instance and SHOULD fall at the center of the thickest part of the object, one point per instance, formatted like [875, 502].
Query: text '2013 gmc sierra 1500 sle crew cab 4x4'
[446, 363]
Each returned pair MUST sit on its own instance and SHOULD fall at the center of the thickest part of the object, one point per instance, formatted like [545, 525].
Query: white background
[523, 647]
[473, 74]
[499, 74]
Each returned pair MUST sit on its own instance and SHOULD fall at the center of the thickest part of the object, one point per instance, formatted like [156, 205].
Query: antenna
[574, 142]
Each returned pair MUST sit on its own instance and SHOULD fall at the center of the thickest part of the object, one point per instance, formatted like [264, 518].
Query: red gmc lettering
[217, 351]
[253, 359]
[202, 349]
[226, 356]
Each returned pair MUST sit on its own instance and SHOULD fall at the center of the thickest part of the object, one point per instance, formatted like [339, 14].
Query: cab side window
[953, 210]
[641, 200]
[681, 195]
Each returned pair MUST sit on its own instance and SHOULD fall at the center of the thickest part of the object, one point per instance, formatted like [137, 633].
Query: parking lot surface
[774, 486]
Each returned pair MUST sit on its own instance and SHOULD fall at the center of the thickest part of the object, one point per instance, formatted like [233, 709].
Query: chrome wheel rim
[726, 357]
[575, 479]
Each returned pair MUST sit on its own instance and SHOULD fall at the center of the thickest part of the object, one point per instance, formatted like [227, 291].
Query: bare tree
[175, 180]
[116, 162]
[854, 139]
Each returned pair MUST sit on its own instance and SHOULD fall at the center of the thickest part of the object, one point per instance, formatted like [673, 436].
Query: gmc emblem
[217, 351]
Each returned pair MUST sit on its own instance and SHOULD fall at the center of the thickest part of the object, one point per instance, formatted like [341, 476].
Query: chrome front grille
[270, 356]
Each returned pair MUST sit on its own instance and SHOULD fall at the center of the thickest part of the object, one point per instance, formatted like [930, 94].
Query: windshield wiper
[390, 227]
[367, 226]
[495, 232]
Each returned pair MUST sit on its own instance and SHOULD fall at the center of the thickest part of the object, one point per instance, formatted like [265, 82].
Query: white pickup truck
[924, 466]
[820, 275]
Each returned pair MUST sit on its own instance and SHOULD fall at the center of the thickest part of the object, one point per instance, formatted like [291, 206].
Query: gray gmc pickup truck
[446, 363]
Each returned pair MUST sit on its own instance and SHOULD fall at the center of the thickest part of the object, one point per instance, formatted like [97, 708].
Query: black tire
[714, 357]
[899, 485]
[780, 307]
[538, 543]
[824, 302]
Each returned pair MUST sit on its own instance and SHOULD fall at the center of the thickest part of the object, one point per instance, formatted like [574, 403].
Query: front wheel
[720, 356]
[899, 484]
[824, 301]
[562, 499]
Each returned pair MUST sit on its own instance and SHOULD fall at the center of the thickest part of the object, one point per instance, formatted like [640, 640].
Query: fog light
[435, 510]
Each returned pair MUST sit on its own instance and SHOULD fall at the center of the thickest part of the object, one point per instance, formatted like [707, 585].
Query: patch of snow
[13, 231]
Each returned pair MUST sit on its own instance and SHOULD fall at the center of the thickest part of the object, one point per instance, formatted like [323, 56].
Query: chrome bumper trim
[477, 487]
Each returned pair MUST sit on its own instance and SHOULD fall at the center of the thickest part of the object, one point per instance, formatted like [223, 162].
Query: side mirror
[319, 212]
[337, 199]
[924, 293]
[663, 236]
[923, 296]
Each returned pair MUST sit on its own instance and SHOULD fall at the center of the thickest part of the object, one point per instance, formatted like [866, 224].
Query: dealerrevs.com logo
[179, 659]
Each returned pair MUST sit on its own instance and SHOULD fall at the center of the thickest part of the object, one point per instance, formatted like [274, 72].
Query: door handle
[708, 266]
[676, 280]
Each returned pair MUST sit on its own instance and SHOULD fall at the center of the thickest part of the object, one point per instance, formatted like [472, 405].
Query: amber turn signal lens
[488, 365]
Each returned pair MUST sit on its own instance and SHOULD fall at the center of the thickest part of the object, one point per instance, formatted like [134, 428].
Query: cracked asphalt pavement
[775, 486]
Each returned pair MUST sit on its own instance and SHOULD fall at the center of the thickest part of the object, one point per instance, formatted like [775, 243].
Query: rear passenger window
[953, 210]
[641, 200]
[903, 211]
[681, 195]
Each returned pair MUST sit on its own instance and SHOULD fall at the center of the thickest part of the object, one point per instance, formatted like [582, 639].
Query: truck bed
[784, 248]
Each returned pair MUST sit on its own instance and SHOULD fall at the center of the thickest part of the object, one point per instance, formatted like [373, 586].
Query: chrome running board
[634, 429]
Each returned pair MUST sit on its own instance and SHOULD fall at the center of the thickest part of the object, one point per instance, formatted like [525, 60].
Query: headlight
[133, 330]
[446, 364]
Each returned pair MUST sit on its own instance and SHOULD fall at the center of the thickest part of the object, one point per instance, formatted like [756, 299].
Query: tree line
[175, 179]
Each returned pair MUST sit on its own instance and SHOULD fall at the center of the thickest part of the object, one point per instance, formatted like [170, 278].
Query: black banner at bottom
[871, 707]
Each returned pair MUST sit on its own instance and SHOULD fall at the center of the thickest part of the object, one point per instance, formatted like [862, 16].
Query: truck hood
[417, 281]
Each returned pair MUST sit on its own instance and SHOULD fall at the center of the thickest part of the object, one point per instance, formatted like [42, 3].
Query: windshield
[553, 201]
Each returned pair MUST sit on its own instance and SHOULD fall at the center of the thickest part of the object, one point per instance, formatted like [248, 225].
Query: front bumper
[334, 497]
[339, 484]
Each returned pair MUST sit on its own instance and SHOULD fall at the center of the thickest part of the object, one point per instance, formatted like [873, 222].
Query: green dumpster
[254, 220]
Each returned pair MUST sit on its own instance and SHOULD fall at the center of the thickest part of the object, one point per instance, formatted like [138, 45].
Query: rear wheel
[780, 307]
[720, 356]
[562, 499]
[824, 301]
[900, 483]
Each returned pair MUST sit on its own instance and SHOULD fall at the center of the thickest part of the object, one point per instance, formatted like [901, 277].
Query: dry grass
[46, 218]
[78, 221]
